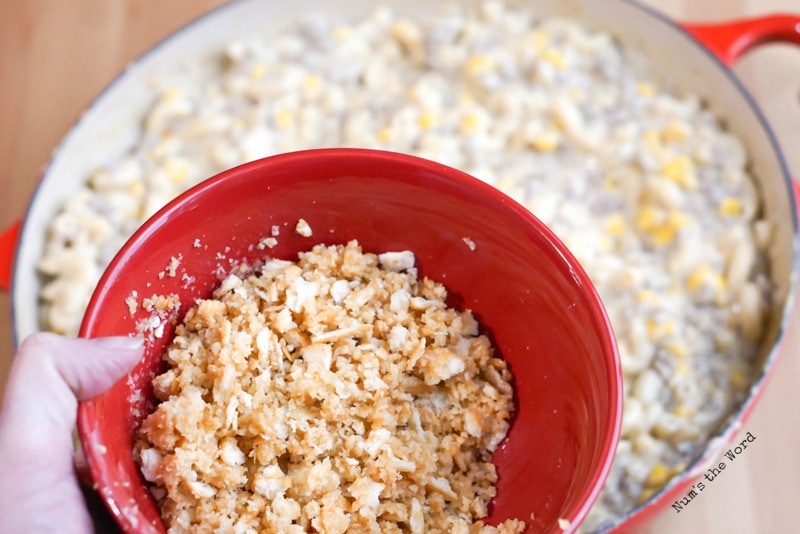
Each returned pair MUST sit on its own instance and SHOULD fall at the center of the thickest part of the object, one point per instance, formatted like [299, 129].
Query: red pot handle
[730, 40]
[796, 185]
[8, 245]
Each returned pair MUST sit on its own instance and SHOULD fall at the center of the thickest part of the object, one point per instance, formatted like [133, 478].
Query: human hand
[39, 490]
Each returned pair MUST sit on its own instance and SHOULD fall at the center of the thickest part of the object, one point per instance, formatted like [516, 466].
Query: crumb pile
[335, 394]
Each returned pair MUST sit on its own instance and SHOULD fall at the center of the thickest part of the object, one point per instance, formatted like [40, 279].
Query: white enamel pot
[696, 58]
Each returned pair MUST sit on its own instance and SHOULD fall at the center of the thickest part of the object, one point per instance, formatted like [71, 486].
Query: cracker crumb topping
[303, 228]
[335, 394]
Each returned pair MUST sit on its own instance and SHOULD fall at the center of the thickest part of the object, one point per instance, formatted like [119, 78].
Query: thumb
[94, 365]
[50, 373]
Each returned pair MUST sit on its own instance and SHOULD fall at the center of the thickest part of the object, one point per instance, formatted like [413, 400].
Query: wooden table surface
[56, 56]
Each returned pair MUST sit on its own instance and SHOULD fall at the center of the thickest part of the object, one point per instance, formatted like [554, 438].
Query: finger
[49, 375]
[99, 363]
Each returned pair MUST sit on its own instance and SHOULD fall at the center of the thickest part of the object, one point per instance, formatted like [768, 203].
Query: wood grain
[56, 56]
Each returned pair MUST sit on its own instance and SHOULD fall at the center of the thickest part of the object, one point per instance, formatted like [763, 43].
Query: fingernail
[119, 342]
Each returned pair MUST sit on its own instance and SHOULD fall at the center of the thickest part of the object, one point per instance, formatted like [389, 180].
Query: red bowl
[525, 288]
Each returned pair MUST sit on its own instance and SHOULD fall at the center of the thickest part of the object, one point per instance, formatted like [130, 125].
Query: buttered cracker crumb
[303, 228]
[268, 242]
[332, 395]
[132, 301]
[171, 269]
[162, 309]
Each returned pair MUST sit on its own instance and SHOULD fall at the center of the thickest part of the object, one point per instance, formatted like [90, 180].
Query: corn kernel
[385, 135]
[674, 132]
[698, 277]
[648, 218]
[730, 206]
[172, 94]
[644, 495]
[546, 141]
[257, 72]
[679, 350]
[555, 58]
[342, 33]
[658, 330]
[539, 39]
[704, 277]
[721, 293]
[466, 99]
[615, 224]
[177, 170]
[646, 295]
[678, 219]
[651, 138]
[663, 234]
[136, 188]
[677, 468]
[469, 123]
[661, 228]
[576, 94]
[506, 183]
[645, 89]
[284, 119]
[683, 411]
[426, 120]
[406, 33]
[479, 63]
[683, 369]
[658, 476]
[720, 282]
[611, 182]
[681, 171]
[312, 83]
